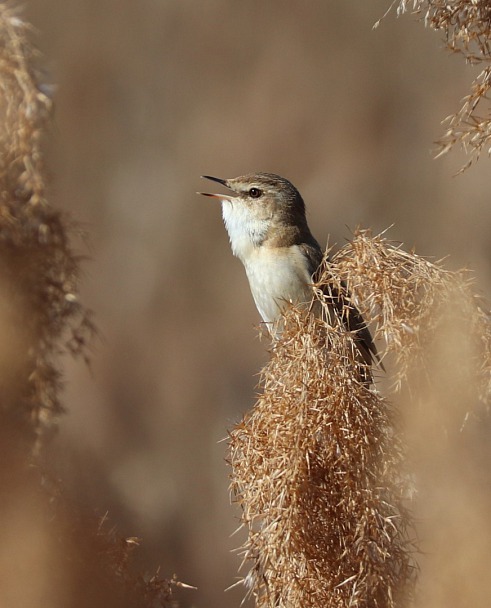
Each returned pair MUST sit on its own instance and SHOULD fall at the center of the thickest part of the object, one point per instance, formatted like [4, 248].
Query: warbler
[268, 231]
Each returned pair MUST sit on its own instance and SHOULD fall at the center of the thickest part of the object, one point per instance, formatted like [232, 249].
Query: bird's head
[266, 195]
[262, 206]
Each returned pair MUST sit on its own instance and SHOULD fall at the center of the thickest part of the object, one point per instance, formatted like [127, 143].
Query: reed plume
[53, 553]
[318, 464]
[466, 28]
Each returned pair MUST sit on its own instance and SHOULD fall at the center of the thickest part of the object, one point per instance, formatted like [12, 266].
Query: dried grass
[318, 464]
[466, 25]
[51, 551]
[38, 270]
[410, 300]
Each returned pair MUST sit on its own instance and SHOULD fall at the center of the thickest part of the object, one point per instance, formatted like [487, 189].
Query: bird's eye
[255, 192]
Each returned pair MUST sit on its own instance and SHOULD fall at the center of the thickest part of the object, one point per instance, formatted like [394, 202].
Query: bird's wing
[353, 321]
[344, 307]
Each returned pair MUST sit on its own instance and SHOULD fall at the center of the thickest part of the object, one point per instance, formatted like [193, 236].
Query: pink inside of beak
[218, 196]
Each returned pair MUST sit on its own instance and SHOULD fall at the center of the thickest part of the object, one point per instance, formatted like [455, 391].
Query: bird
[265, 218]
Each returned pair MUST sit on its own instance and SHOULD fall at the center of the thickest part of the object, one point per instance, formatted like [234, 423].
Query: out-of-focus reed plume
[51, 553]
[318, 464]
[466, 25]
[38, 271]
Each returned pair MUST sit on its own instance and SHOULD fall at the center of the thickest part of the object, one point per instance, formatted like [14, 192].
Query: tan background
[153, 94]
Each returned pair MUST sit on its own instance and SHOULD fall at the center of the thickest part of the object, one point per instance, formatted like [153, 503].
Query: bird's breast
[277, 277]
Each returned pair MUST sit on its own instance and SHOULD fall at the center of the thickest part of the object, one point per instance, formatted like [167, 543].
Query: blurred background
[153, 94]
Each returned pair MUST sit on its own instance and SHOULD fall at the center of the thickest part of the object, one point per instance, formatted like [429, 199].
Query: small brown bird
[266, 223]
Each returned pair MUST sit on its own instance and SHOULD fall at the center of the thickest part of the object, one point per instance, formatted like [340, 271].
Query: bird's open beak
[216, 179]
[220, 181]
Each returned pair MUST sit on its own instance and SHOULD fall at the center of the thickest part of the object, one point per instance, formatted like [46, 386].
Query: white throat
[246, 231]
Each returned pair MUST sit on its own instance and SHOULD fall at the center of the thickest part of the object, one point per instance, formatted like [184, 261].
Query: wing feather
[344, 307]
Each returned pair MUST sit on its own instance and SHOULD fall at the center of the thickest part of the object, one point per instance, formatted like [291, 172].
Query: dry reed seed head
[38, 270]
[41, 317]
[466, 25]
[25, 107]
[316, 469]
[409, 299]
[466, 127]
[318, 464]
